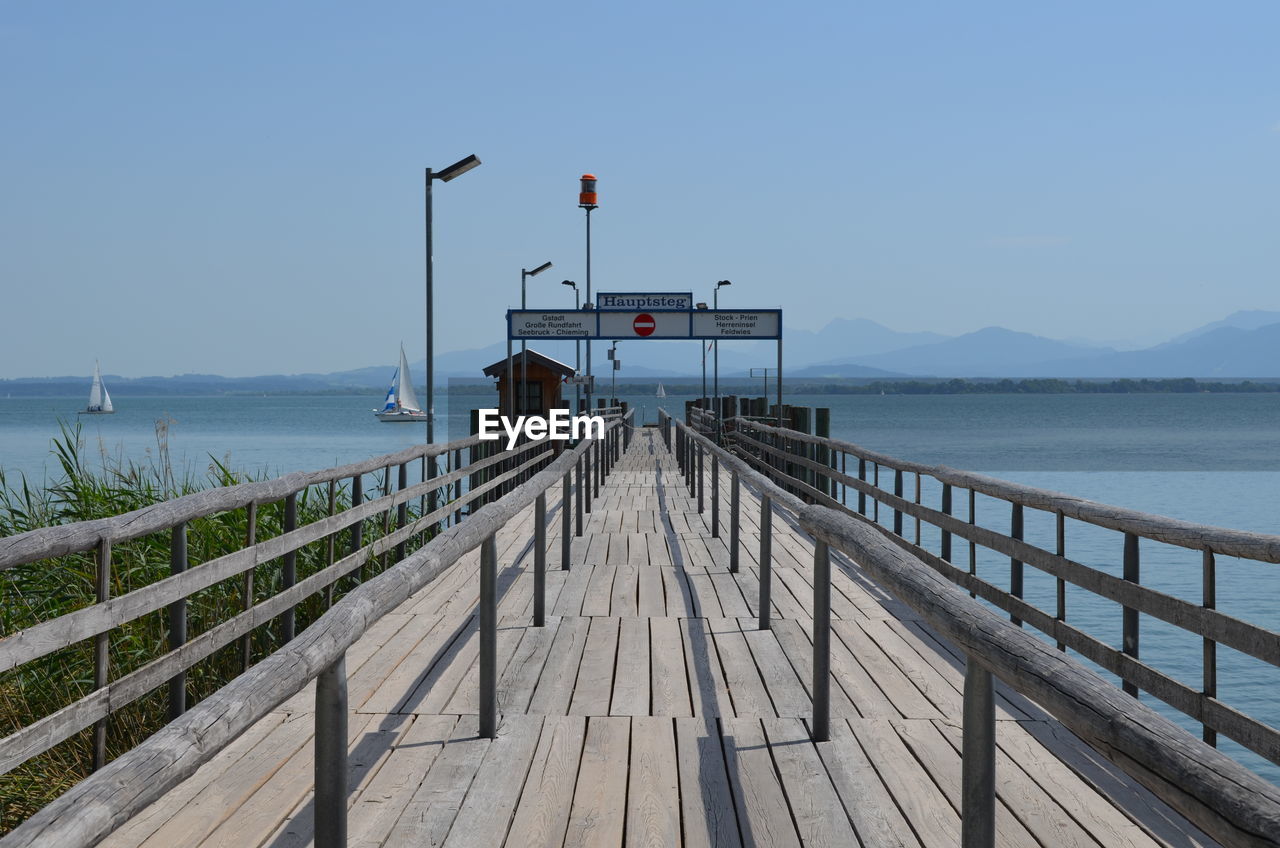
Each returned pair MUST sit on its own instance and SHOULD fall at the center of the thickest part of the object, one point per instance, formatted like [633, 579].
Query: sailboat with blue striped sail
[401, 403]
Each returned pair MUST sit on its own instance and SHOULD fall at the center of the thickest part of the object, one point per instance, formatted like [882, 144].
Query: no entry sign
[651, 324]
[644, 324]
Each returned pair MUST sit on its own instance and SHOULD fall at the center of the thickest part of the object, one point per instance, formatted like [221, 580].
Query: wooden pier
[652, 710]
[644, 639]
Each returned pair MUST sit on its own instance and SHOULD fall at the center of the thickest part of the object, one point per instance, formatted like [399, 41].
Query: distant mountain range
[1242, 345]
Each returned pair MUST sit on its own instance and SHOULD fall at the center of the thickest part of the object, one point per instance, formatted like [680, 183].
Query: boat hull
[96, 412]
[392, 417]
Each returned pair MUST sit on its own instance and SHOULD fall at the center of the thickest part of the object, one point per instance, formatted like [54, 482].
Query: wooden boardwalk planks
[651, 711]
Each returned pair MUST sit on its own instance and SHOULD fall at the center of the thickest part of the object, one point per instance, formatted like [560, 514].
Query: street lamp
[455, 170]
[524, 359]
[587, 200]
[715, 304]
[577, 351]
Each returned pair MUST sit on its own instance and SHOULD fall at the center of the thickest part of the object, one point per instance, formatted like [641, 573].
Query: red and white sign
[644, 325]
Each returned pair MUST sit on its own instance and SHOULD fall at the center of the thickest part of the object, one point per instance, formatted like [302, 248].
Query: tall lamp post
[457, 169]
[577, 350]
[702, 400]
[587, 200]
[524, 359]
[715, 304]
[613, 382]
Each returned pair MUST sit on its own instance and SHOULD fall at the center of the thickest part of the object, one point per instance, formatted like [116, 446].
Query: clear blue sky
[236, 188]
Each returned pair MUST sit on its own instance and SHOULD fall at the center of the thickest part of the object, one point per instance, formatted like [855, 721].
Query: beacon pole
[587, 201]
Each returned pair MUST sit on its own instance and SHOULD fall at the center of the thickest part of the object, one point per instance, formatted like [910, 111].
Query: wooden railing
[819, 469]
[121, 788]
[1218, 794]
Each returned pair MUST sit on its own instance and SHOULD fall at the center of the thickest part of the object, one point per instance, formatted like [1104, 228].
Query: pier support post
[821, 642]
[733, 524]
[766, 558]
[978, 765]
[488, 639]
[331, 756]
[540, 560]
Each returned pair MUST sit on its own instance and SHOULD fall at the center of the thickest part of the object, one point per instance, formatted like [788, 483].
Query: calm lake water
[1203, 457]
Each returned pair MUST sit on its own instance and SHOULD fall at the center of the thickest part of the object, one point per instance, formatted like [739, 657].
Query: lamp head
[544, 266]
[457, 169]
[587, 198]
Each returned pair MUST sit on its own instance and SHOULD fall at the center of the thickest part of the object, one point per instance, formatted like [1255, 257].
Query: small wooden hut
[543, 391]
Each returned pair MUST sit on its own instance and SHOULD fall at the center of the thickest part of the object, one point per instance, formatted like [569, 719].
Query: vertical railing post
[897, 491]
[596, 466]
[1210, 587]
[331, 541]
[178, 621]
[715, 496]
[331, 756]
[577, 502]
[457, 486]
[862, 496]
[733, 524]
[402, 511]
[766, 558]
[357, 529]
[821, 642]
[540, 560]
[1015, 564]
[978, 759]
[1061, 613]
[917, 501]
[586, 469]
[566, 527]
[489, 638]
[250, 539]
[1130, 615]
[946, 510]
[289, 575]
[101, 654]
[700, 481]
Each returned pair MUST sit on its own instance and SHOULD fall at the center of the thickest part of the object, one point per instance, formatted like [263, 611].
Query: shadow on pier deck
[651, 710]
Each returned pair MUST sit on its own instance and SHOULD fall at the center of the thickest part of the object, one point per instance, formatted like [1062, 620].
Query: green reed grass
[46, 589]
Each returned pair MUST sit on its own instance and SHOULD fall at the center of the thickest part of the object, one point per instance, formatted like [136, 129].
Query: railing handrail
[1215, 792]
[1218, 794]
[1263, 547]
[105, 800]
[62, 539]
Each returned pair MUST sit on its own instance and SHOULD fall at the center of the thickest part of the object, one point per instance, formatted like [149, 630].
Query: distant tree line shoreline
[28, 389]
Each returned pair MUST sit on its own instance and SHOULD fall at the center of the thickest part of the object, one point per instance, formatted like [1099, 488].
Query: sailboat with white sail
[99, 399]
[401, 403]
[661, 391]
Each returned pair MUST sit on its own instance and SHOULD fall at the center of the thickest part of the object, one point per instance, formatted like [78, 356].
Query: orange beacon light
[587, 197]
